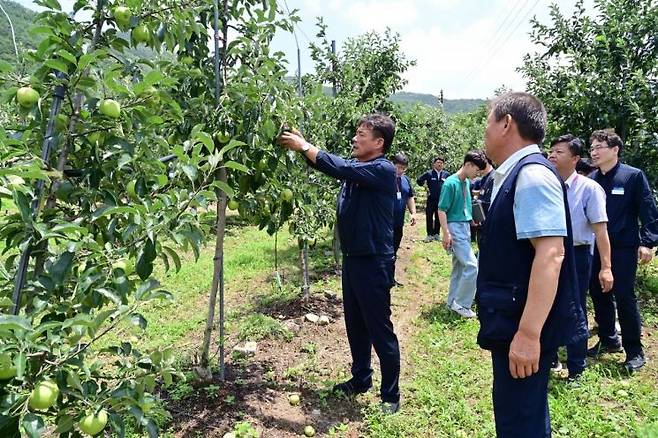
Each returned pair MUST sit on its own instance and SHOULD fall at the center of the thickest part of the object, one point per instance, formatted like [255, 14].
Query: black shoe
[389, 408]
[348, 388]
[598, 349]
[574, 378]
[635, 363]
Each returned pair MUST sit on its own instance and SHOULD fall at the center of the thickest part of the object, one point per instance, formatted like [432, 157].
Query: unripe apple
[44, 395]
[287, 195]
[93, 424]
[141, 34]
[110, 108]
[7, 368]
[27, 96]
[122, 15]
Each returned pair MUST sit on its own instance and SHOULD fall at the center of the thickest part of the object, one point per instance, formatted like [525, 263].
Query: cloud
[378, 15]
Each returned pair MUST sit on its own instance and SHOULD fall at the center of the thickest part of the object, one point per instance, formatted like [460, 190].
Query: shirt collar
[513, 159]
[569, 181]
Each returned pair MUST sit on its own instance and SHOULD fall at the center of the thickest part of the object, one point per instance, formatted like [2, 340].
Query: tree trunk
[217, 280]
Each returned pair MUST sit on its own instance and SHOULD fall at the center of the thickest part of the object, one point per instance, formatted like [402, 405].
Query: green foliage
[114, 210]
[599, 72]
[258, 326]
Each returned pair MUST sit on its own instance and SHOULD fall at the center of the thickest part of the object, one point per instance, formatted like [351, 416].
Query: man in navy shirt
[404, 199]
[434, 179]
[365, 224]
[629, 201]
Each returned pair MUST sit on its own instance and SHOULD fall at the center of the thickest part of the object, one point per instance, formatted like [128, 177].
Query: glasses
[596, 148]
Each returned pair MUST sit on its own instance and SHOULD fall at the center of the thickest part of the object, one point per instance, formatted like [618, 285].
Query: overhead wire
[494, 50]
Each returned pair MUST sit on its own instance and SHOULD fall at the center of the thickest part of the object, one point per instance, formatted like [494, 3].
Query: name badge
[618, 191]
[399, 196]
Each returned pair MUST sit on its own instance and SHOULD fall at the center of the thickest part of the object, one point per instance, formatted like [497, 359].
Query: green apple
[293, 399]
[122, 15]
[309, 431]
[125, 265]
[7, 368]
[233, 204]
[187, 60]
[110, 108]
[27, 96]
[93, 424]
[287, 195]
[44, 395]
[141, 34]
[222, 137]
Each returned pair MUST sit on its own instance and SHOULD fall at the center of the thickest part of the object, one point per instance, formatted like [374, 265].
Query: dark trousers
[577, 352]
[432, 223]
[397, 237]
[367, 283]
[521, 405]
[624, 267]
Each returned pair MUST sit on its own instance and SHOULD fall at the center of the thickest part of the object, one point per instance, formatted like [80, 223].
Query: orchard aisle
[445, 379]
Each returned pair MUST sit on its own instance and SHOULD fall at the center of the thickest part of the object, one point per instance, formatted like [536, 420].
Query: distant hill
[450, 106]
[23, 19]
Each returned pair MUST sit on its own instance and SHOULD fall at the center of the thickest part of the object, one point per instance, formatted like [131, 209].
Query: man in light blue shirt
[588, 222]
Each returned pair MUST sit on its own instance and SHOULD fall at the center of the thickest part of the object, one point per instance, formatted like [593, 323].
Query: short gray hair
[526, 110]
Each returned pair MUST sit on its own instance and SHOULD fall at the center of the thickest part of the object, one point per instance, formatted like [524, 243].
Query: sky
[467, 48]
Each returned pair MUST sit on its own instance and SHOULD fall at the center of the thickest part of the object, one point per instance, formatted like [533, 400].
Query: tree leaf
[59, 270]
[236, 166]
[138, 320]
[33, 425]
[57, 64]
[13, 322]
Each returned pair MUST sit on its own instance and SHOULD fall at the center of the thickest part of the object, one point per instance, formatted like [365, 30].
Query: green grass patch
[258, 326]
[448, 389]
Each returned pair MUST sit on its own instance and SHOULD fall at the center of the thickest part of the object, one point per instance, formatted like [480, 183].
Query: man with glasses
[588, 222]
[629, 201]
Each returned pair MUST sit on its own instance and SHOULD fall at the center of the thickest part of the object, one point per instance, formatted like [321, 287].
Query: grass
[446, 384]
[448, 393]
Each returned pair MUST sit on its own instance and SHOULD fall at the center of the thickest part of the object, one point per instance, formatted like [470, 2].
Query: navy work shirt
[403, 187]
[628, 197]
[365, 203]
[434, 180]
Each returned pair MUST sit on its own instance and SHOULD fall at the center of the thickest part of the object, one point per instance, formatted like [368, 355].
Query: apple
[141, 34]
[27, 96]
[287, 195]
[110, 108]
[187, 60]
[262, 165]
[233, 204]
[95, 137]
[44, 395]
[93, 424]
[122, 15]
[7, 368]
[293, 399]
[125, 265]
[309, 431]
[222, 137]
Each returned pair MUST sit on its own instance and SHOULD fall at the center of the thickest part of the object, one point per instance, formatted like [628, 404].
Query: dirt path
[256, 389]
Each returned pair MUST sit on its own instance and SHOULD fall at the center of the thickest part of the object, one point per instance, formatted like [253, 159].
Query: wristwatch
[305, 147]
